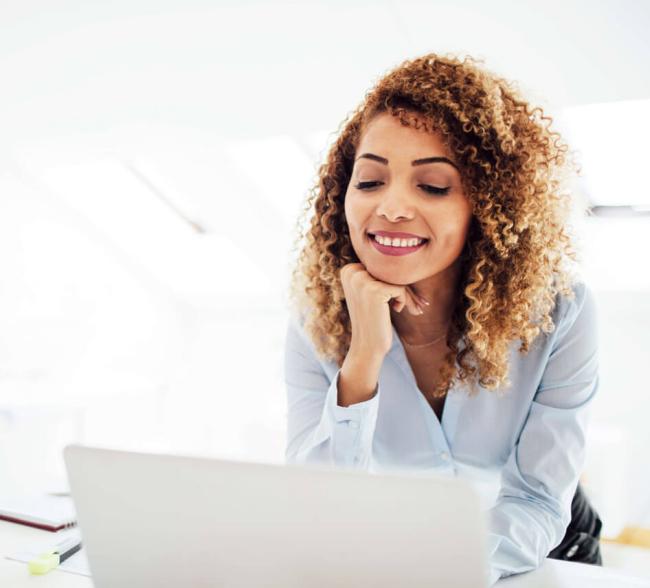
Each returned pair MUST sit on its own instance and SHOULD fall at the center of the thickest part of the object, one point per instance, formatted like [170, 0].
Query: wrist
[363, 359]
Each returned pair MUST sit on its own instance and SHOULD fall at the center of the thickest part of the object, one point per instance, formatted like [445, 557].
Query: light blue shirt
[522, 451]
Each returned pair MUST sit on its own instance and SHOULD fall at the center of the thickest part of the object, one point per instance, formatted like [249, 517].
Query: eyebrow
[414, 162]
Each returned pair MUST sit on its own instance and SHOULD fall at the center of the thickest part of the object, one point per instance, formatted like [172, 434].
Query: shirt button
[353, 424]
[444, 455]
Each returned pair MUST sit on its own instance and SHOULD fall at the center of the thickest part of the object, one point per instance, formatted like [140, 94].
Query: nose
[394, 205]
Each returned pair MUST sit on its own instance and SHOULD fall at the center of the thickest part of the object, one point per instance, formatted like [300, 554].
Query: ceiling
[250, 69]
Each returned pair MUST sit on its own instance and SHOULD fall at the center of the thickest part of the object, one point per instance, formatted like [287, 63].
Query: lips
[395, 251]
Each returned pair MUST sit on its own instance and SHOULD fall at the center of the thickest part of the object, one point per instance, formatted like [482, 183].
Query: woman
[437, 323]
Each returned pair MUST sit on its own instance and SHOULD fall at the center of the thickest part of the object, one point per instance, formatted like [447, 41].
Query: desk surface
[552, 574]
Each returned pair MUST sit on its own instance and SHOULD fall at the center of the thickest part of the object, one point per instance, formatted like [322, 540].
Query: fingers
[350, 269]
[413, 304]
[397, 304]
[404, 297]
[421, 299]
[348, 274]
[353, 275]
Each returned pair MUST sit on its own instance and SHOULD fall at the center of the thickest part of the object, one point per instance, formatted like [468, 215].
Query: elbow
[292, 454]
[532, 527]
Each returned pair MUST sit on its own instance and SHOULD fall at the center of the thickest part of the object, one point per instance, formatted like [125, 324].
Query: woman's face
[405, 193]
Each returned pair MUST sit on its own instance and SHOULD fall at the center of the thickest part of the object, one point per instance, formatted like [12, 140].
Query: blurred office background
[154, 159]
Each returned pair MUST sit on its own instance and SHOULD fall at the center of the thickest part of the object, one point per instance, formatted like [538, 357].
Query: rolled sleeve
[539, 479]
[318, 429]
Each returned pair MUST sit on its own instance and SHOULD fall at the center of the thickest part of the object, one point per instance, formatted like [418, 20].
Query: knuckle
[357, 278]
[349, 269]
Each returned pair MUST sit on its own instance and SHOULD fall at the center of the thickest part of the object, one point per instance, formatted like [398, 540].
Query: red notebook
[50, 513]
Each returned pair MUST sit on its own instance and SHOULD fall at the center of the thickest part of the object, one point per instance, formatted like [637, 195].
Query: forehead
[385, 135]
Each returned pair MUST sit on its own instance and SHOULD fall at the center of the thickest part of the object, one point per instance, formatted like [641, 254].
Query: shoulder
[300, 352]
[296, 321]
[295, 325]
[576, 312]
[297, 337]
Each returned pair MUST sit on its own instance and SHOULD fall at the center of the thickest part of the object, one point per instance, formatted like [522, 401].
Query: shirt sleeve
[318, 429]
[539, 479]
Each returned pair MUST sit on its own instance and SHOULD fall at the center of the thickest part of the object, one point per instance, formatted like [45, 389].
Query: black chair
[581, 540]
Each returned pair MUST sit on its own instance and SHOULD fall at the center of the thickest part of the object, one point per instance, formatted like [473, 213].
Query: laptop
[164, 521]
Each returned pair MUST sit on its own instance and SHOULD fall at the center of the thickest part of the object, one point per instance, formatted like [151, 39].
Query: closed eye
[434, 189]
[426, 187]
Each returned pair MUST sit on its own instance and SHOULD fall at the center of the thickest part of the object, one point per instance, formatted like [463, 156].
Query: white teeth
[398, 242]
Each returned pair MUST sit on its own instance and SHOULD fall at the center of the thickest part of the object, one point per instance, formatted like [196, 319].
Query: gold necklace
[423, 344]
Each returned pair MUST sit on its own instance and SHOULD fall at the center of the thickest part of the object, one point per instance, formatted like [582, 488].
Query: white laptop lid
[150, 520]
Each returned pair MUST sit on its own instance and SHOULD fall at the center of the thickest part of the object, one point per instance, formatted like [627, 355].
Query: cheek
[454, 221]
[353, 215]
[451, 232]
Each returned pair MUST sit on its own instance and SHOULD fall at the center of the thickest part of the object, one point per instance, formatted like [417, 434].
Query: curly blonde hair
[515, 258]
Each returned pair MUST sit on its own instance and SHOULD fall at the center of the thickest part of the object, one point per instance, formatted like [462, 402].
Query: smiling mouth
[410, 245]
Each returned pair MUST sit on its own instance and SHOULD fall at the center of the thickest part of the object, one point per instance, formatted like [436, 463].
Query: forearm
[521, 534]
[342, 435]
[323, 425]
[358, 379]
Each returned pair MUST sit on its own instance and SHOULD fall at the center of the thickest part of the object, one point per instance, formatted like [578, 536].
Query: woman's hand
[369, 301]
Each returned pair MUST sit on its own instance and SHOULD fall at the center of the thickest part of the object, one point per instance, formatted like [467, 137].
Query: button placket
[437, 432]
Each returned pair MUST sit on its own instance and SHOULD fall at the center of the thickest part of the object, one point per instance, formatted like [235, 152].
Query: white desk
[552, 574]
